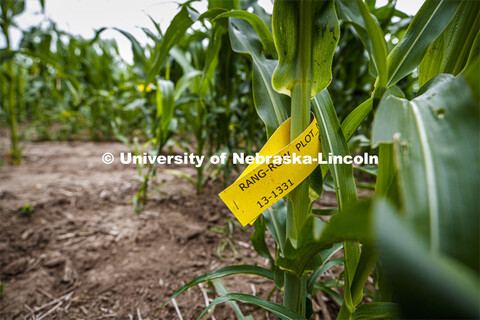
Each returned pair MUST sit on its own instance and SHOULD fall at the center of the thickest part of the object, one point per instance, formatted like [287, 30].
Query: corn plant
[162, 131]
[9, 100]
[81, 85]
[216, 95]
[200, 93]
[420, 230]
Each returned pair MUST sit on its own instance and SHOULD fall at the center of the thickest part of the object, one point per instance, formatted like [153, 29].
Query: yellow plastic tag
[261, 185]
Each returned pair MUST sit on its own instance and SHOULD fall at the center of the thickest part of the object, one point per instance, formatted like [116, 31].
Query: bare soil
[83, 253]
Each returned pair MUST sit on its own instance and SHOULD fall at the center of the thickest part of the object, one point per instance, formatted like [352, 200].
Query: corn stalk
[9, 10]
[304, 31]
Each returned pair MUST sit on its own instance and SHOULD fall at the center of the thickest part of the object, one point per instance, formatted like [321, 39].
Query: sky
[82, 17]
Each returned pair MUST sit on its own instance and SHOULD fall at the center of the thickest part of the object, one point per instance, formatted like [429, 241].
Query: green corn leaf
[275, 221]
[379, 46]
[321, 269]
[45, 44]
[425, 27]
[151, 35]
[177, 28]
[180, 174]
[305, 34]
[6, 55]
[11, 8]
[450, 51]
[278, 310]
[185, 82]
[376, 310]
[140, 60]
[315, 182]
[271, 106]
[349, 11]
[47, 59]
[472, 76]
[351, 124]
[386, 185]
[279, 278]
[220, 273]
[333, 141]
[432, 134]
[444, 289]
[352, 224]
[258, 240]
[228, 5]
[371, 170]
[183, 59]
[222, 291]
[320, 286]
[474, 53]
[212, 55]
[327, 254]
[165, 101]
[156, 25]
[96, 36]
[212, 13]
[18, 6]
[324, 212]
[367, 261]
[215, 42]
[260, 28]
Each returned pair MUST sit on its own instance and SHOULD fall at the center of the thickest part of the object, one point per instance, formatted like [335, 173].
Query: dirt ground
[83, 253]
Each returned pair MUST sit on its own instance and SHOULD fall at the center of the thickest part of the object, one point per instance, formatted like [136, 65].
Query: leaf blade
[177, 28]
[276, 309]
[425, 27]
[220, 273]
[445, 114]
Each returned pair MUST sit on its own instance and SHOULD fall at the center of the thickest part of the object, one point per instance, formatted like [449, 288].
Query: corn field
[172, 226]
